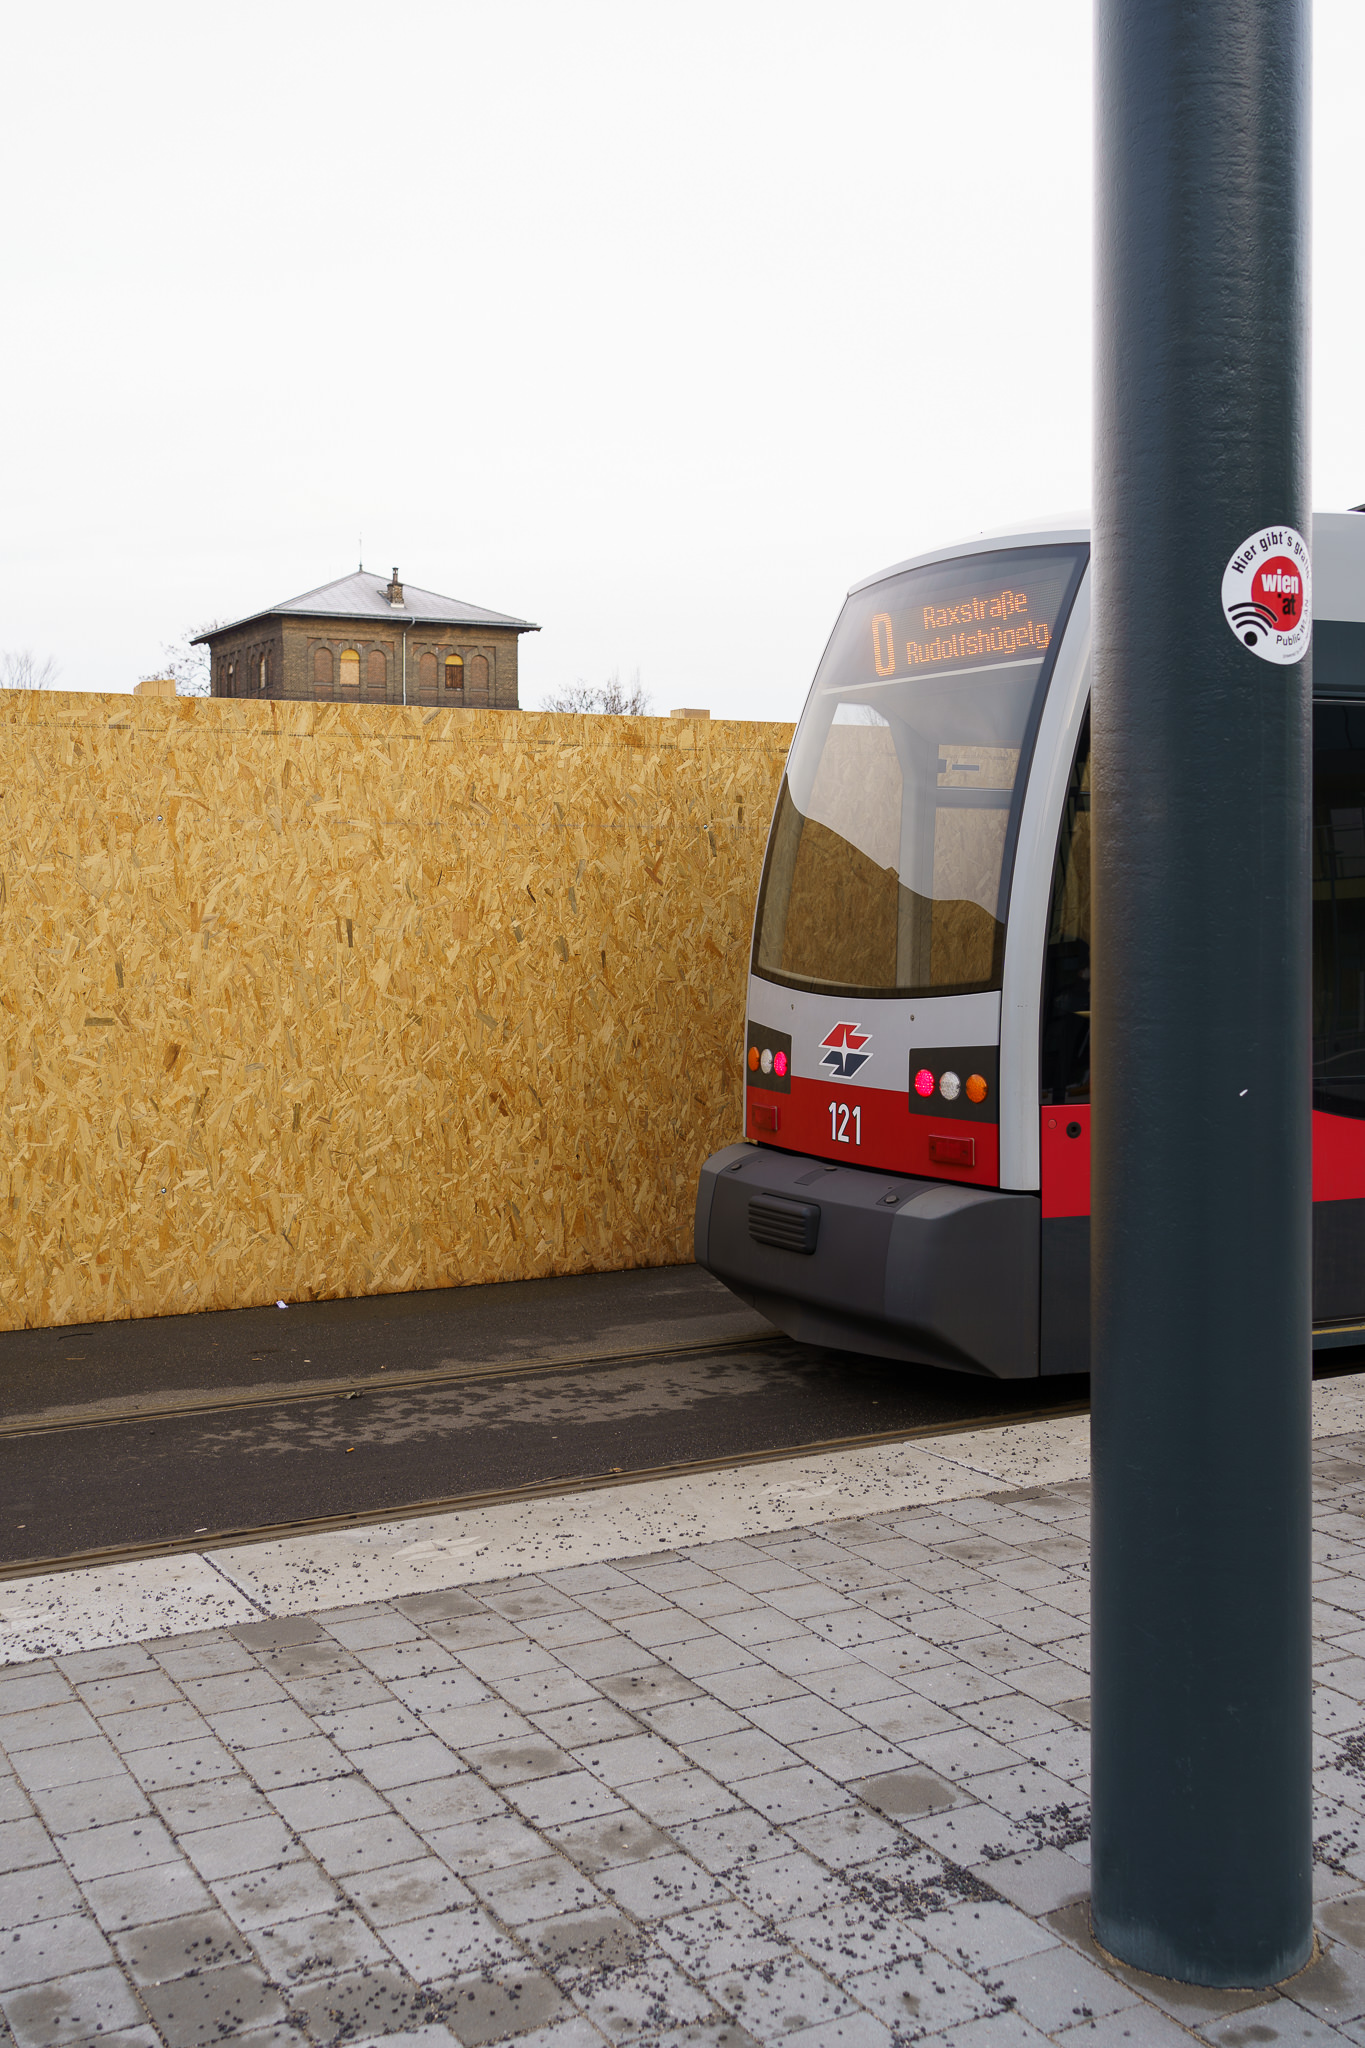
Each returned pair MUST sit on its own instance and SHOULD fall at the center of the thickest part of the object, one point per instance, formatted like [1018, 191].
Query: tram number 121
[840, 1116]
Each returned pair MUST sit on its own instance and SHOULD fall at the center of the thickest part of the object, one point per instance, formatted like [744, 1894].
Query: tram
[914, 1180]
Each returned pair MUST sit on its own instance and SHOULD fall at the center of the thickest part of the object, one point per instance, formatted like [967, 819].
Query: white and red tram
[915, 1176]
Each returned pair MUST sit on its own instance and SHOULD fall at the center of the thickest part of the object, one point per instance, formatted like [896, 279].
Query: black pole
[1200, 1300]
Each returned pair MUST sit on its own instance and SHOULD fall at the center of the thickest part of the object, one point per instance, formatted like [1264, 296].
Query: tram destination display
[994, 624]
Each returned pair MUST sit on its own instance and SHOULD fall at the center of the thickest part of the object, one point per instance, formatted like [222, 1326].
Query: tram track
[197, 1434]
[246, 1465]
[1327, 1364]
[109, 1416]
[219, 1539]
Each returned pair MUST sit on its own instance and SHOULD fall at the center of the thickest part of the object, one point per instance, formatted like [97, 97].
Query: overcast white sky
[658, 325]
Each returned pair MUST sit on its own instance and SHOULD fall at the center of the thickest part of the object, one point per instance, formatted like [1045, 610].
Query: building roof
[364, 595]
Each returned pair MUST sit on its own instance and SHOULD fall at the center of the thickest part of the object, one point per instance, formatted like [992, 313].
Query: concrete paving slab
[556, 1839]
[175, 1948]
[65, 1612]
[62, 1613]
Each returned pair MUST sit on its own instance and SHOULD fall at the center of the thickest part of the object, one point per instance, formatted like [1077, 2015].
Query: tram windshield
[888, 866]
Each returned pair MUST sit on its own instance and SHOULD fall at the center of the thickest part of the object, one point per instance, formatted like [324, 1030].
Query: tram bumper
[923, 1270]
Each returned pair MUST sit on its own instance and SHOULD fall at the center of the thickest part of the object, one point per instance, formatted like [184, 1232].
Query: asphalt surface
[118, 1368]
[184, 1429]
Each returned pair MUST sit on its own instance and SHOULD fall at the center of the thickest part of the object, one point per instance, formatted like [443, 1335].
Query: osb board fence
[304, 1000]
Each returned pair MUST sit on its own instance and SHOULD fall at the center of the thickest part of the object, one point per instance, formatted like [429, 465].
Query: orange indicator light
[976, 1088]
[753, 1059]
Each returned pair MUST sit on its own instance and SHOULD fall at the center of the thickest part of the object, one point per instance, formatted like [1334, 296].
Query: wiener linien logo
[845, 1051]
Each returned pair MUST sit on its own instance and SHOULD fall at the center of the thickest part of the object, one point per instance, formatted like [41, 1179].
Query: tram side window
[1339, 909]
[1066, 980]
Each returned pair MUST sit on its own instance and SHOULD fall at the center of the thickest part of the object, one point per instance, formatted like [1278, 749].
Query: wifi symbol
[1251, 620]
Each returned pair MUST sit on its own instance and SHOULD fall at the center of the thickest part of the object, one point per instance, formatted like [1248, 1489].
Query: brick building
[365, 640]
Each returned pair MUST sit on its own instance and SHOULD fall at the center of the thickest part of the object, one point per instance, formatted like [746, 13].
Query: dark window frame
[1064, 1022]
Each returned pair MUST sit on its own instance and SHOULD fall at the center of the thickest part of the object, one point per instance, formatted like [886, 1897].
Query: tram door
[1338, 1045]
[1338, 1012]
[1064, 1091]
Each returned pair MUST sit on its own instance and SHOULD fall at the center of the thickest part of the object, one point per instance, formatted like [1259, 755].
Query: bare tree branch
[630, 701]
[191, 666]
[22, 670]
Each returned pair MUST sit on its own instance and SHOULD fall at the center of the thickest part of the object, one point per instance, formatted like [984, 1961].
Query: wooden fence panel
[301, 1000]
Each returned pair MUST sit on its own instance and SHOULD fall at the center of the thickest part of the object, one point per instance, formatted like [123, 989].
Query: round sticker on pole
[1268, 594]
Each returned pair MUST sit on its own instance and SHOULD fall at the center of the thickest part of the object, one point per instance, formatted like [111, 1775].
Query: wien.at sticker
[1268, 594]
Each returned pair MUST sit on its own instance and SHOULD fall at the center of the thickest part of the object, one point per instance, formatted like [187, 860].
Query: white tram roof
[1338, 556]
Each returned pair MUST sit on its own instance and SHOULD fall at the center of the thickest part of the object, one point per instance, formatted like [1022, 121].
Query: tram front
[885, 1199]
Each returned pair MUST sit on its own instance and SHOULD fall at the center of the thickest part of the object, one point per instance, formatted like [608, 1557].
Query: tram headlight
[950, 1086]
[753, 1059]
[780, 1065]
[924, 1082]
[766, 1061]
[976, 1088]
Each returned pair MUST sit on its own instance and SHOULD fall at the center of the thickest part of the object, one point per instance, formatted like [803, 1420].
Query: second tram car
[915, 1176]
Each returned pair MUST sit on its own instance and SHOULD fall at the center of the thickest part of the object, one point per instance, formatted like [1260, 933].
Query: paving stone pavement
[828, 1786]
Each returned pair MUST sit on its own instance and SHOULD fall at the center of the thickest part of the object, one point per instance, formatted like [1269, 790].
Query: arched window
[478, 676]
[377, 671]
[263, 673]
[455, 672]
[230, 679]
[428, 672]
[350, 670]
[322, 667]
